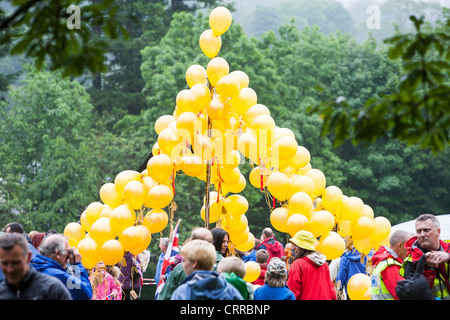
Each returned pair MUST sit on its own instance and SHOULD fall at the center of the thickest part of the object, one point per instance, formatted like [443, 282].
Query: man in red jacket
[274, 247]
[309, 276]
[437, 253]
[387, 262]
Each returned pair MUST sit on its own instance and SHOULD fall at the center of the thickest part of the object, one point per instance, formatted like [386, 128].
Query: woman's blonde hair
[200, 251]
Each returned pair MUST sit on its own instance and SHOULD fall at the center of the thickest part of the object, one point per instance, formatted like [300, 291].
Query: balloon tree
[217, 125]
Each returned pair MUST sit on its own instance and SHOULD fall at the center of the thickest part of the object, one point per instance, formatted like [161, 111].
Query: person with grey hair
[274, 287]
[271, 244]
[21, 281]
[58, 260]
[437, 255]
[163, 244]
[387, 261]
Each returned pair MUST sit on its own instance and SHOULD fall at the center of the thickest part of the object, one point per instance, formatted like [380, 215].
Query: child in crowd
[233, 270]
[103, 284]
[115, 273]
[262, 256]
[275, 283]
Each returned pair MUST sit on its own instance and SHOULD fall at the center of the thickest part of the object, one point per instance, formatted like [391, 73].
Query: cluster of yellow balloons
[217, 122]
[117, 223]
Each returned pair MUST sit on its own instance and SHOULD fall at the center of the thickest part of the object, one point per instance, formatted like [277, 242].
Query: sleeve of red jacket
[390, 276]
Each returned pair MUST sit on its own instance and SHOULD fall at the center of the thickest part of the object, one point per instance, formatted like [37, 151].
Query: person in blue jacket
[201, 282]
[349, 265]
[58, 260]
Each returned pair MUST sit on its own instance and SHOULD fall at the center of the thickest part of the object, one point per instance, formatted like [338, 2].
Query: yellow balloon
[321, 223]
[215, 211]
[263, 122]
[301, 202]
[216, 69]
[74, 232]
[121, 218]
[332, 245]
[192, 165]
[156, 220]
[301, 184]
[351, 209]
[124, 177]
[101, 230]
[159, 196]
[216, 108]
[253, 111]
[134, 194]
[257, 178]
[162, 122]
[231, 160]
[220, 20]
[242, 77]
[160, 167]
[240, 238]
[145, 243]
[111, 252]
[363, 245]
[228, 86]
[189, 122]
[381, 230]
[358, 286]
[195, 74]
[84, 222]
[278, 219]
[106, 211]
[284, 148]
[368, 211]
[247, 145]
[168, 139]
[132, 238]
[247, 245]
[362, 227]
[209, 43]
[89, 251]
[297, 222]
[332, 199]
[243, 100]
[253, 270]
[344, 228]
[229, 176]
[110, 195]
[236, 204]
[185, 100]
[278, 185]
[238, 187]
[93, 211]
[319, 181]
[301, 157]
[202, 96]
[236, 224]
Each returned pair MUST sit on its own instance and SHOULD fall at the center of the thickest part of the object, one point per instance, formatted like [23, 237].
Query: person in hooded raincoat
[309, 276]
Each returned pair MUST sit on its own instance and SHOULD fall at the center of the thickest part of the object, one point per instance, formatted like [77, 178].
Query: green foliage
[416, 111]
[39, 30]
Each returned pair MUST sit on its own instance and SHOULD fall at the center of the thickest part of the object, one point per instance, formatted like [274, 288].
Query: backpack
[417, 287]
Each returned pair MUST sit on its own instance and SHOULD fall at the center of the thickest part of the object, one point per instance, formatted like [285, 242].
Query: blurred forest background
[67, 129]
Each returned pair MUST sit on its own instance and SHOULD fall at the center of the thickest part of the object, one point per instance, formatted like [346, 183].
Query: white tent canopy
[410, 226]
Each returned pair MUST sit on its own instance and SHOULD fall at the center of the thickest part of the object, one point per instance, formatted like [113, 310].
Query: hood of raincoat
[207, 285]
[317, 258]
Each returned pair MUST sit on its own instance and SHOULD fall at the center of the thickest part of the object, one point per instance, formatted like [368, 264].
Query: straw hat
[304, 239]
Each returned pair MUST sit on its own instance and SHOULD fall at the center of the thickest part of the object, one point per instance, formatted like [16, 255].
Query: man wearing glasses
[64, 263]
[437, 253]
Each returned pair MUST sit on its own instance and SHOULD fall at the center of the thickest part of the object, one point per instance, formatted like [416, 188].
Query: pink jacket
[107, 287]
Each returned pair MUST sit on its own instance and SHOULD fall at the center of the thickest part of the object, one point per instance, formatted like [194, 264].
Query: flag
[171, 251]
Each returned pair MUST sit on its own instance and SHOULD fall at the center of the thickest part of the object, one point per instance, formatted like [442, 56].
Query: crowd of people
[43, 266]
